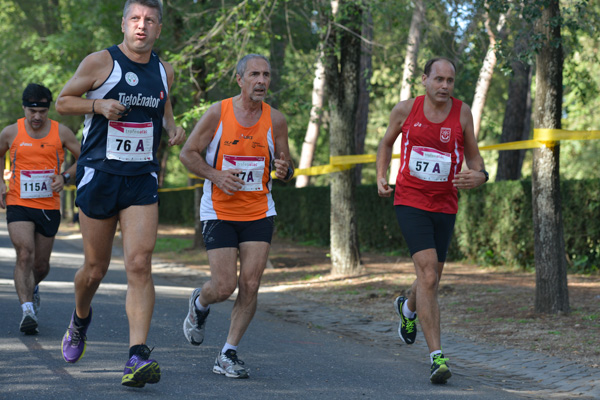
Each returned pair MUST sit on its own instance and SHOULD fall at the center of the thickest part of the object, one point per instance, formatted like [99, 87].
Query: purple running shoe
[73, 343]
[139, 370]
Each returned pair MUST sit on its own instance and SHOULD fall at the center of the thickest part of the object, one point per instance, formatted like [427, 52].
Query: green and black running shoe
[440, 370]
[407, 330]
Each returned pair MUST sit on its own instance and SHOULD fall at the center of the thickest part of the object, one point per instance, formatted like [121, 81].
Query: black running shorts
[46, 221]
[101, 195]
[219, 234]
[424, 230]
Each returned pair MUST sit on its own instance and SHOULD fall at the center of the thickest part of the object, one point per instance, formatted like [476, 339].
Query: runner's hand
[176, 136]
[383, 189]
[111, 109]
[58, 183]
[228, 181]
[468, 179]
[281, 167]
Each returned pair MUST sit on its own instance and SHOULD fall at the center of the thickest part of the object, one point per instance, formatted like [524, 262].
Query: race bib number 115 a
[35, 184]
[252, 169]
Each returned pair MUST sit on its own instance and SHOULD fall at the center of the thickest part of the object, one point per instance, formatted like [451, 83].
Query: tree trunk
[408, 76]
[278, 40]
[527, 125]
[485, 74]
[551, 291]
[366, 72]
[341, 79]
[516, 119]
[314, 123]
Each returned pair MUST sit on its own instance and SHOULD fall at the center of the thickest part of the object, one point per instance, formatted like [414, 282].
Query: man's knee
[428, 279]
[25, 257]
[42, 268]
[93, 272]
[224, 290]
[139, 264]
[249, 286]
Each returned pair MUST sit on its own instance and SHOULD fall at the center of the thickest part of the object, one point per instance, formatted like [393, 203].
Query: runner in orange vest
[245, 139]
[33, 202]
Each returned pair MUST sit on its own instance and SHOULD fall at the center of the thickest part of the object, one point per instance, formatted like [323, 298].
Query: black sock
[82, 322]
[134, 349]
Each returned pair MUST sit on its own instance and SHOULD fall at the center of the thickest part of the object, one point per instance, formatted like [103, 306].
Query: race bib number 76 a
[129, 141]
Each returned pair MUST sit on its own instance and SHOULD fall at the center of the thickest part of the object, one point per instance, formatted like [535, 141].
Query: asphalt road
[286, 360]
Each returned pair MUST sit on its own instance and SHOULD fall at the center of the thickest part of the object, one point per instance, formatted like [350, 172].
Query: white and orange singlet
[33, 162]
[249, 149]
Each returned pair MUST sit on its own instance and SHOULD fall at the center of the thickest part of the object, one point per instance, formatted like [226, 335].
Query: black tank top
[127, 146]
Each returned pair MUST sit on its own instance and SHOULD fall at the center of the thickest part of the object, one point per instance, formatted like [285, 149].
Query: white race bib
[252, 170]
[430, 164]
[129, 141]
[35, 184]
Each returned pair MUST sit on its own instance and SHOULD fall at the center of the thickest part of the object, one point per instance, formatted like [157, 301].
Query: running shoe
[29, 323]
[195, 321]
[140, 370]
[407, 330]
[74, 341]
[36, 299]
[440, 370]
[230, 365]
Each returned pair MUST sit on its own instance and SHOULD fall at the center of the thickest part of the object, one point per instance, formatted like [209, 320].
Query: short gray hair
[241, 65]
[156, 4]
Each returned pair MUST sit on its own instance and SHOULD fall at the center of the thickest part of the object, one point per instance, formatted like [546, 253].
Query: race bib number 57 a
[129, 141]
[252, 169]
[430, 164]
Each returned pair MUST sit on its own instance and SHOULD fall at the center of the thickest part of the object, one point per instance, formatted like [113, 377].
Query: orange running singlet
[249, 150]
[33, 162]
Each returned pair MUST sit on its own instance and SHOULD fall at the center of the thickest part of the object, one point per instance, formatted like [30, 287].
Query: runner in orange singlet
[437, 133]
[33, 202]
[245, 139]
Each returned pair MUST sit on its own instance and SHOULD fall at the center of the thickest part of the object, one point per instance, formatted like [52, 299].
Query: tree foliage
[44, 41]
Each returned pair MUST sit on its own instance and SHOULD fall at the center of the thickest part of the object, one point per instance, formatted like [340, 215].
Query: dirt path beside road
[483, 304]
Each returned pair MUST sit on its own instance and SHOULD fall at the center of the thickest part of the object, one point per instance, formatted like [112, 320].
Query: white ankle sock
[27, 306]
[200, 306]
[228, 347]
[406, 311]
[433, 353]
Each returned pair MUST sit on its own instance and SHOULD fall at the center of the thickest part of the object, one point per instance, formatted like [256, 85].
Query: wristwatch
[487, 176]
[66, 176]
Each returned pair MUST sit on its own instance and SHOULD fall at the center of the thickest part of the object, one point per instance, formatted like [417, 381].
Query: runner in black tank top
[116, 179]
[144, 88]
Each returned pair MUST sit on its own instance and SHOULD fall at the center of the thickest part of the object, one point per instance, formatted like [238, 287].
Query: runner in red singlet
[437, 133]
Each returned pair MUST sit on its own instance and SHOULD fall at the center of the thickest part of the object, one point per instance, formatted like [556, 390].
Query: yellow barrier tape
[549, 135]
[352, 159]
[181, 188]
[541, 138]
[544, 138]
[519, 145]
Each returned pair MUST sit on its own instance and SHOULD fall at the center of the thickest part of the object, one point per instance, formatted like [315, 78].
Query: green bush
[494, 225]
[176, 208]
